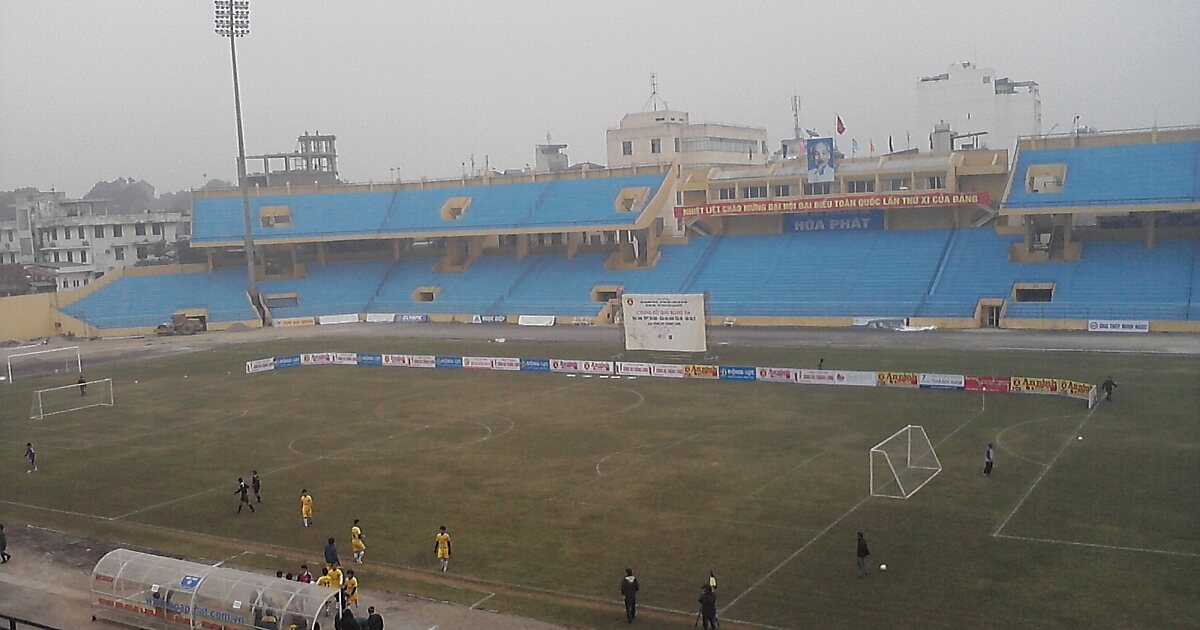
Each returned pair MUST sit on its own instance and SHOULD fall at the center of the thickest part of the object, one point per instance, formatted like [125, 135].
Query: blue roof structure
[556, 204]
[1120, 175]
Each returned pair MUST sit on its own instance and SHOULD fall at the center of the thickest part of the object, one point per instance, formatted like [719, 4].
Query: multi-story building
[973, 100]
[667, 136]
[81, 240]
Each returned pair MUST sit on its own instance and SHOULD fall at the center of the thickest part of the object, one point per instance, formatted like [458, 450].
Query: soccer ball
[883, 567]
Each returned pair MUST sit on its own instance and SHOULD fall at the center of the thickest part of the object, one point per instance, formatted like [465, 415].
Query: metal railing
[16, 623]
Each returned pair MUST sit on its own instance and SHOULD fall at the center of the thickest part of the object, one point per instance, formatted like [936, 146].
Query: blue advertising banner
[449, 362]
[368, 358]
[736, 373]
[535, 365]
[287, 362]
[831, 221]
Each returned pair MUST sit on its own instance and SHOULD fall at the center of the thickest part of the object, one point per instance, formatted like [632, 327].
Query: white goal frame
[104, 399]
[9, 359]
[908, 433]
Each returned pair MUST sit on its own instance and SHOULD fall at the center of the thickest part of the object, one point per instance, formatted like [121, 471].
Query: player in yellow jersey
[324, 581]
[306, 507]
[351, 588]
[337, 580]
[358, 545]
[441, 547]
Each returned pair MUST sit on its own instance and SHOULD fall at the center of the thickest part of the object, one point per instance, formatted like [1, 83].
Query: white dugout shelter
[154, 592]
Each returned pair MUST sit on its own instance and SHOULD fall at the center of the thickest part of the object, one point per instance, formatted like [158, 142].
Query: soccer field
[551, 485]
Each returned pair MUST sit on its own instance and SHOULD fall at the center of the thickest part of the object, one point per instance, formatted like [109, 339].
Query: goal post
[43, 362]
[903, 463]
[68, 398]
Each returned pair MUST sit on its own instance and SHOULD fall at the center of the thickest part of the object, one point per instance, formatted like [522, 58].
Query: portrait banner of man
[822, 164]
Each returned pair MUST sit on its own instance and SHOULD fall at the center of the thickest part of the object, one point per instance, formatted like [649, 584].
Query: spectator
[374, 620]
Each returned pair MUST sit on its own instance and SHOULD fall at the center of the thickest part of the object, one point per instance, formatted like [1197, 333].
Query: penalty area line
[1077, 543]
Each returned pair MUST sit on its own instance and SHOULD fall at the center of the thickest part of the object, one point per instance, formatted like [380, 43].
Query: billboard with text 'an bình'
[834, 203]
[664, 321]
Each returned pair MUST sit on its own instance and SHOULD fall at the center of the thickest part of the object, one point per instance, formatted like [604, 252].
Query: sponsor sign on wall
[477, 363]
[290, 361]
[506, 363]
[987, 383]
[345, 358]
[289, 322]
[833, 221]
[564, 365]
[422, 360]
[381, 318]
[260, 365]
[737, 373]
[535, 320]
[633, 369]
[667, 370]
[826, 203]
[670, 322]
[941, 381]
[596, 367]
[1066, 387]
[349, 318]
[701, 371]
[535, 365]
[407, 318]
[395, 360]
[837, 377]
[896, 379]
[1119, 325]
[452, 363]
[369, 358]
[488, 319]
[317, 358]
[778, 375]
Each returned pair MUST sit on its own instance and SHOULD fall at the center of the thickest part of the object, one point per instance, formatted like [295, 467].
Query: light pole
[233, 21]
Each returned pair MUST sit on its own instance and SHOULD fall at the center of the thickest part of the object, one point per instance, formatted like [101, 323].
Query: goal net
[903, 464]
[67, 398]
[21, 365]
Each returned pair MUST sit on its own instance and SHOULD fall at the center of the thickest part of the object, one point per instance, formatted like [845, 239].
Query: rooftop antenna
[796, 116]
[654, 100]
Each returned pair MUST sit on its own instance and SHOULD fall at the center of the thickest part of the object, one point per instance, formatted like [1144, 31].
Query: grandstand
[1082, 228]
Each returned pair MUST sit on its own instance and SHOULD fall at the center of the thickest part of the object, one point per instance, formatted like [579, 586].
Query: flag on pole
[872, 146]
[841, 126]
[854, 146]
[891, 147]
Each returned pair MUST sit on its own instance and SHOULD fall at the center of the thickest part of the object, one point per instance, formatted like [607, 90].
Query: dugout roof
[149, 591]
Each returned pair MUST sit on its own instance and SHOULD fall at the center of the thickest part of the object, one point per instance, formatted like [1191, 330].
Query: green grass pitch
[552, 485]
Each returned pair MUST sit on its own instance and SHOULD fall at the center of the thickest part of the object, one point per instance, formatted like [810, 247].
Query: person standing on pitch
[1108, 386]
[441, 547]
[989, 457]
[305, 507]
[4, 555]
[31, 458]
[82, 383]
[256, 485]
[629, 589]
[358, 545]
[243, 490]
[331, 554]
[863, 552]
[708, 607]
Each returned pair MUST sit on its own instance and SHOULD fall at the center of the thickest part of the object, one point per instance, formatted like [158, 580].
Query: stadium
[751, 442]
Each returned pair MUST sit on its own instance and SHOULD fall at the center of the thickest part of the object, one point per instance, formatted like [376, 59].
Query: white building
[972, 99]
[82, 241]
[665, 136]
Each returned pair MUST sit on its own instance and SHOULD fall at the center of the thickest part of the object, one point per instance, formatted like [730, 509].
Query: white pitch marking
[1052, 541]
[798, 467]
[476, 604]
[1042, 475]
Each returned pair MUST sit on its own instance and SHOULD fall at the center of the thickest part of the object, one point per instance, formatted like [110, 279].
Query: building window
[156, 229]
[56, 256]
[935, 182]
[119, 253]
[98, 231]
[143, 252]
[70, 256]
[727, 193]
[861, 186]
[677, 145]
[139, 229]
[783, 190]
[83, 256]
[66, 234]
[819, 188]
[754, 192]
[900, 183]
[116, 231]
[627, 147]
[81, 236]
[655, 145]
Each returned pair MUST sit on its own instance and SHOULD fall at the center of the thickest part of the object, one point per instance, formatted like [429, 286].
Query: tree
[124, 195]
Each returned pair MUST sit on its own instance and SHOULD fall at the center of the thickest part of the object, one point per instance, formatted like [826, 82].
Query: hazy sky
[99, 89]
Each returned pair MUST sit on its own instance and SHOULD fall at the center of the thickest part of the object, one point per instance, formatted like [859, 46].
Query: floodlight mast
[233, 21]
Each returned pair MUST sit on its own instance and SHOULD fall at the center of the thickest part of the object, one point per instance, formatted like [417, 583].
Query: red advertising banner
[886, 201]
[988, 384]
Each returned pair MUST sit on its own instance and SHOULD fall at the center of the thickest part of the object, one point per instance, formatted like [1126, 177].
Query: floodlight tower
[233, 21]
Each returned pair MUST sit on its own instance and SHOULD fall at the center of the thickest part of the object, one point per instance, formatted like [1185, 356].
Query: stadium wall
[27, 317]
[1021, 323]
